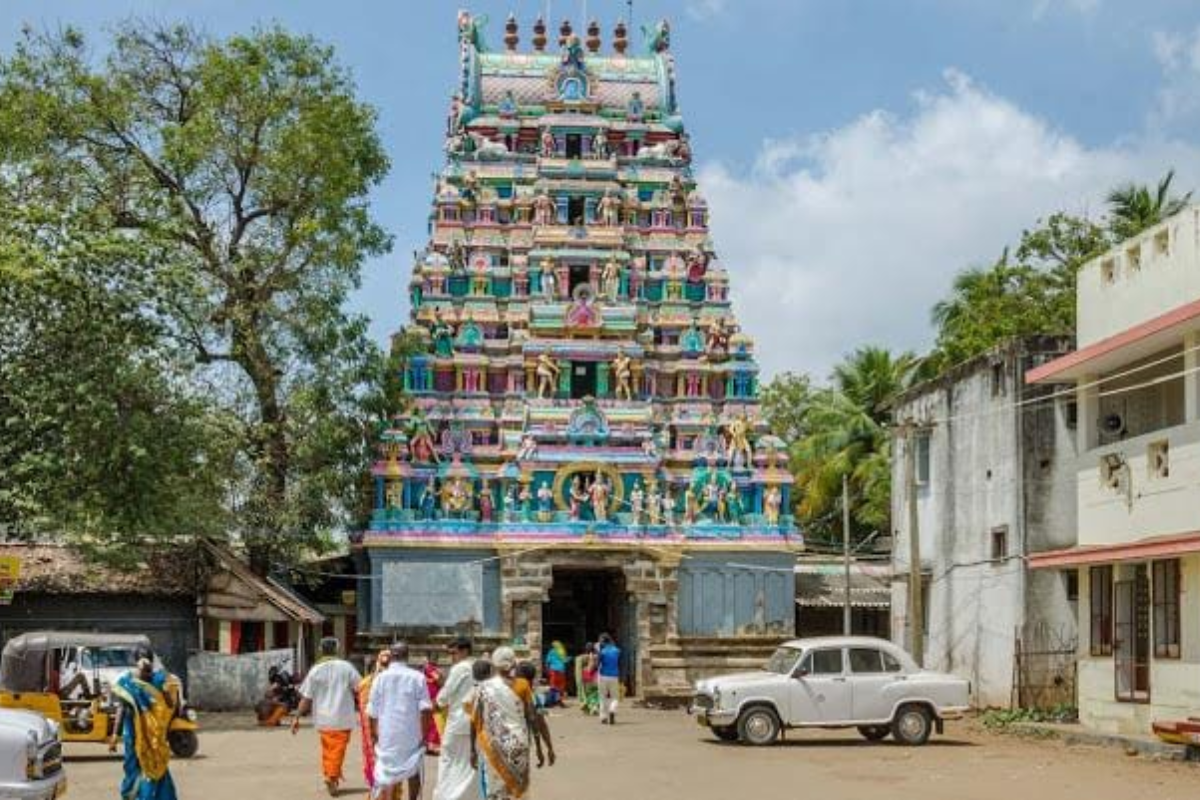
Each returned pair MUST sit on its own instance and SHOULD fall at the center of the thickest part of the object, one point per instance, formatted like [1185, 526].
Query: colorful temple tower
[582, 450]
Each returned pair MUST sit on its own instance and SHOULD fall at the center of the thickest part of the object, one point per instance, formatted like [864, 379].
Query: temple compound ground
[663, 755]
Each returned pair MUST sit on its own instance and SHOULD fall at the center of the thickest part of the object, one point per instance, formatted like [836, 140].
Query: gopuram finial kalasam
[539, 35]
[620, 40]
[593, 36]
[511, 37]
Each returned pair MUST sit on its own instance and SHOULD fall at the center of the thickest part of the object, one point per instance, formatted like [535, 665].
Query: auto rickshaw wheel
[184, 744]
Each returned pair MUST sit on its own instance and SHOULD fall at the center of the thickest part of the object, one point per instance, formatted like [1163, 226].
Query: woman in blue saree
[146, 700]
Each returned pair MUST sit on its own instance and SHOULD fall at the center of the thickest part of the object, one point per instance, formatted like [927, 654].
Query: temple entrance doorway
[578, 276]
[585, 602]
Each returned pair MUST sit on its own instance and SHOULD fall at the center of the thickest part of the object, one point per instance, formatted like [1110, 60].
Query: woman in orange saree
[364, 693]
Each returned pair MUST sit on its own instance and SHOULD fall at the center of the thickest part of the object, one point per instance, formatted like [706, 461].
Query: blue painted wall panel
[736, 593]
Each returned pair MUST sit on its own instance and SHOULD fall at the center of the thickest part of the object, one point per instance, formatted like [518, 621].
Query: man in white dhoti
[401, 713]
[456, 779]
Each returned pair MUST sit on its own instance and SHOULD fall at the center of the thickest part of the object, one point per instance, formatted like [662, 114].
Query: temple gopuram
[582, 449]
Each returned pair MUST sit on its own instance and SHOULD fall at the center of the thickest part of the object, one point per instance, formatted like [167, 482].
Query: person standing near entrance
[456, 778]
[609, 679]
[401, 714]
[330, 691]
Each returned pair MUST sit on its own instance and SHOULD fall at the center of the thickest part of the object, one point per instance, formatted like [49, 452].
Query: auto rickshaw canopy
[23, 661]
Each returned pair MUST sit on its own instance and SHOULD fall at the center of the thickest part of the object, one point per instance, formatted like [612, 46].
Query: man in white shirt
[329, 692]
[456, 777]
[400, 713]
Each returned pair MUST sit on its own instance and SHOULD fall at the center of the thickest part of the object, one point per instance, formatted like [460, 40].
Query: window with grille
[1101, 588]
[1165, 580]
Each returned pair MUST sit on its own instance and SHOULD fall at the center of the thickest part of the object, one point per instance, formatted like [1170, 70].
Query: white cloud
[1082, 7]
[849, 236]
[1177, 106]
[705, 9]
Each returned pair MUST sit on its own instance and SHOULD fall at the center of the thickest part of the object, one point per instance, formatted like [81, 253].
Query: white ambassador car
[833, 682]
[30, 757]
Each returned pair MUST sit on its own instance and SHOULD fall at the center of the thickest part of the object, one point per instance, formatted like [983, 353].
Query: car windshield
[782, 661]
[108, 657]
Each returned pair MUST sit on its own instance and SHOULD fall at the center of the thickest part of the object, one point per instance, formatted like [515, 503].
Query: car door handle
[839, 680]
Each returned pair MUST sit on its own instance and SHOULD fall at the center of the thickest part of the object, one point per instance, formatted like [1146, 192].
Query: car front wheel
[912, 725]
[758, 726]
[874, 733]
[726, 733]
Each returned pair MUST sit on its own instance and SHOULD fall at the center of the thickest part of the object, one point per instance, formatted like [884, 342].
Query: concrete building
[1138, 476]
[995, 475]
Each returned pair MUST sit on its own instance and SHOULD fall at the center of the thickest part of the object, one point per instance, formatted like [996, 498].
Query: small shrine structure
[583, 450]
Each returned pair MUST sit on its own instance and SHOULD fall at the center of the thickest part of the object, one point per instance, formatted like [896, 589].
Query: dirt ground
[661, 755]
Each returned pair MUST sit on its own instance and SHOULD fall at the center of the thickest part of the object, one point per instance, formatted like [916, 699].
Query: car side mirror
[800, 674]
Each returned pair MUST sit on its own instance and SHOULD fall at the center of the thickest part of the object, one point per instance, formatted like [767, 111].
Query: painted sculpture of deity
[456, 497]
[733, 506]
[578, 497]
[547, 372]
[393, 494]
[654, 505]
[610, 280]
[637, 503]
[420, 436]
[697, 264]
[622, 368]
[609, 209]
[526, 500]
[443, 336]
[511, 509]
[635, 109]
[600, 144]
[543, 209]
[470, 188]
[487, 507]
[689, 506]
[716, 344]
[507, 107]
[456, 256]
[545, 498]
[549, 147]
[668, 506]
[741, 454]
[428, 501]
[528, 448]
[600, 491]
[772, 500]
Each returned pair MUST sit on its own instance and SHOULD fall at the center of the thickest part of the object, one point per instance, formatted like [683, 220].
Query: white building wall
[993, 465]
[1137, 281]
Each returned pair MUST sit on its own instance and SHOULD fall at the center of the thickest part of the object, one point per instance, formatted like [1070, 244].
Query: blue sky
[856, 153]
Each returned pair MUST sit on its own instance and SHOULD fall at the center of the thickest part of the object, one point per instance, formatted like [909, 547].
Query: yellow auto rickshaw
[68, 677]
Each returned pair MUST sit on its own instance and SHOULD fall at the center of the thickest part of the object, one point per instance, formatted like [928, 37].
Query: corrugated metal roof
[823, 585]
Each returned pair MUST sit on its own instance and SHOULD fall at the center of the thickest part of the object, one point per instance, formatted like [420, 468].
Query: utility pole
[846, 616]
[916, 611]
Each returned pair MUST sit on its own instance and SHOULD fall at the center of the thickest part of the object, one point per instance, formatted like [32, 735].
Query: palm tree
[1133, 208]
[848, 437]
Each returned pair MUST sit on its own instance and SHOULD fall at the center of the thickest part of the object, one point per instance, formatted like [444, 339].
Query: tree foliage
[844, 434]
[240, 170]
[1133, 208]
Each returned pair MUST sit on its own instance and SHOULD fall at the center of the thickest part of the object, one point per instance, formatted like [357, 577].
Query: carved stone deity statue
[637, 503]
[611, 280]
[600, 492]
[741, 454]
[600, 144]
[668, 505]
[547, 371]
[543, 209]
[548, 288]
[545, 498]
[772, 500]
[622, 367]
[716, 345]
[609, 209]
[654, 505]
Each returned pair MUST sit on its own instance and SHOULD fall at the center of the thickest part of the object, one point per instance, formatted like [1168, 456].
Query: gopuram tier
[586, 399]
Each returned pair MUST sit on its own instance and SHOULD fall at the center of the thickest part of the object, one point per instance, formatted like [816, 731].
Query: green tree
[786, 401]
[848, 436]
[1133, 208]
[244, 164]
[1033, 294]
[103, 441]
